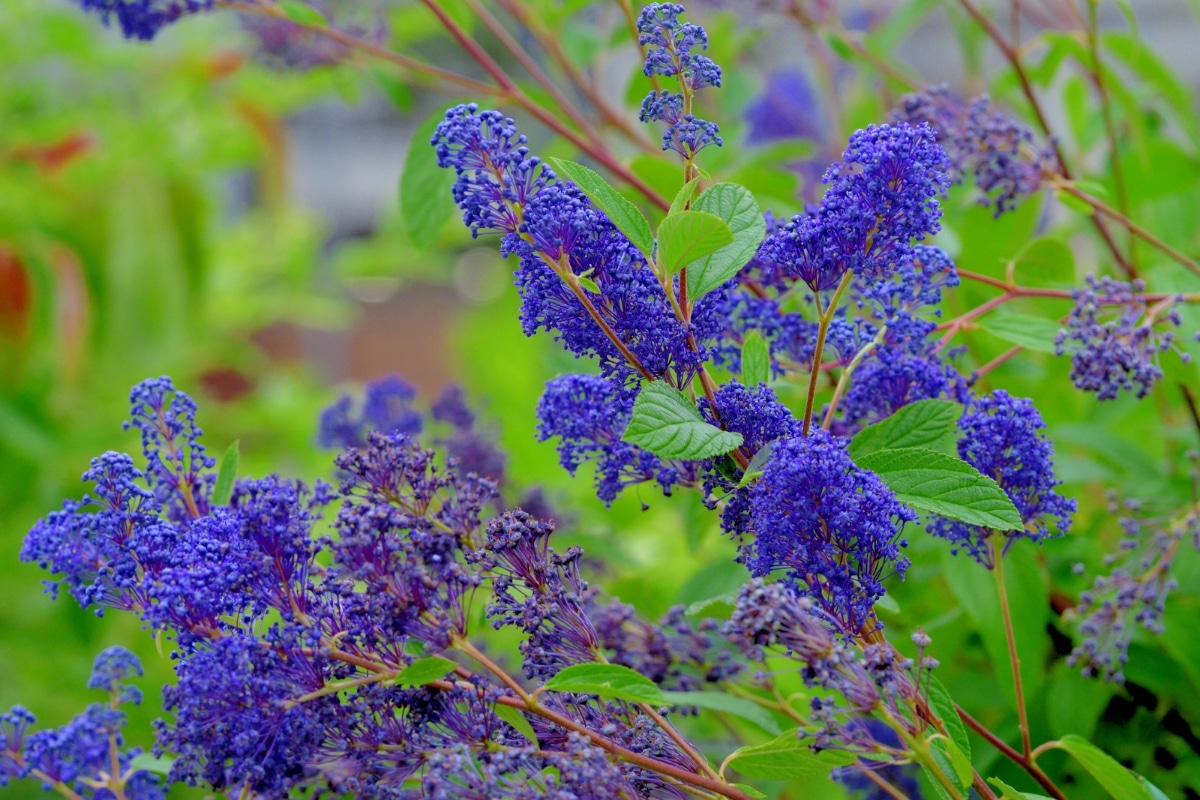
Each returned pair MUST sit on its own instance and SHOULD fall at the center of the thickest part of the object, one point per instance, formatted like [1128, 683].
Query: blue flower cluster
[143, 19]
[387, 407]
[79, 758]
[882, 196]
[1114, 339]
[832, 528]
[288, 643]
[669, 43]
[1134, 593]
[981, 141]
[1001, 437]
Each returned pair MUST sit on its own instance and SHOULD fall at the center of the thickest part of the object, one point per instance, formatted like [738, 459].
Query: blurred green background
[189, 208]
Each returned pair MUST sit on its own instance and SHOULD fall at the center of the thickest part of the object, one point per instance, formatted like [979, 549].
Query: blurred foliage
[144, 229]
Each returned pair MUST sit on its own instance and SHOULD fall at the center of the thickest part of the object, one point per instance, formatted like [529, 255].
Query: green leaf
[756, 360]
[943, 705]
[719, 701]
[683, 196]
[924, 423]
[786, 757]
[301, 12]
[424, 670]
[941, 484]
[702, 606]
[517, 719]
[610, 681]
[589, 284]
[1044, 262]
[1072, 202]
[1009, 793]
[689, 235]
[425, 199]
[667, 424]
[226, 473]
[736, 206]
[887, 603]
[147, 762]
[960, 763]
[621, 212]
[1032, 333]
[757, 463]
[1119, 782]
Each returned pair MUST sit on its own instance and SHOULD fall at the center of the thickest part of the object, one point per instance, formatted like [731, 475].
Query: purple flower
[882, 196]
[143, 19]
[588, 415]
[1001, 437]
[177, 468]
[496, 174]
[834, 529]
[787, 108]
[905, 367]
[564, 227]
[386, 407]
[669, 42]
[999, 152]
[1115, 350]
[1134, 593]
[82, 754]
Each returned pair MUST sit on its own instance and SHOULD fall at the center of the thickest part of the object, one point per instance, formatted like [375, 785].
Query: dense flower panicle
[386, 407]
[904, 367]
[996, 150]
[670, 41]
[451, 407]
[564, 227]
[287, 45]
[772, 616]
[882, 195]
[787, 108]
[790, 337]
[81, 754]
[1117, 349]
[588, 415]
[1001, 437]
[496, 173]
[539, 591]
[143, 19]
[1134, 593]
[233, 723]
[178, 470]
[91, 548]
[834, 529]
[920, 278]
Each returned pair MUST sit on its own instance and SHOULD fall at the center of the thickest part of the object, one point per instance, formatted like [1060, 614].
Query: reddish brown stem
[1012, 755]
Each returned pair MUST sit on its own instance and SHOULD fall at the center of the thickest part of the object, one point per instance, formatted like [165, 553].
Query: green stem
[819, 352]
[1013, 658]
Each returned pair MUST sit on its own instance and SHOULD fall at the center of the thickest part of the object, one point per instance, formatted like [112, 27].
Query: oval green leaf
[226, 474]
[687, 236]
[737, 207]
[624, 214]
[424, 193]
[1032, 333]
[422, 671]
[941, 484]
[1119, 782]
[756, 360]
[611, 681]
[667, 424]
[924, 423]
[786, 757]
